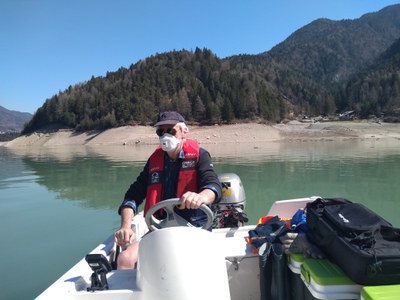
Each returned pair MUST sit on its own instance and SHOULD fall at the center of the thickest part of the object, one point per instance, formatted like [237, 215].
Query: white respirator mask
[169, 142]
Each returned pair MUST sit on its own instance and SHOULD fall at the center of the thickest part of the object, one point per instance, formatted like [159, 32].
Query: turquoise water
[57, 205]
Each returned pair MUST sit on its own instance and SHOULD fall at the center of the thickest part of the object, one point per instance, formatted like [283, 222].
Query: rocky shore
[216, 134]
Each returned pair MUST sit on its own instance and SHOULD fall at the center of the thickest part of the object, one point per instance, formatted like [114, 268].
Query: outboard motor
[229, 212]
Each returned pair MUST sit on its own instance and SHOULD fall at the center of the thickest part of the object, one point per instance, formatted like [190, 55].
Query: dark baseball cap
[169, 118]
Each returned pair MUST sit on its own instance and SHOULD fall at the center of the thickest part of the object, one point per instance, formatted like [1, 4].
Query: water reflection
[93, 181]
[73, 193]
[67, 153]
[303, 151]
[97, 177]
[307, 150]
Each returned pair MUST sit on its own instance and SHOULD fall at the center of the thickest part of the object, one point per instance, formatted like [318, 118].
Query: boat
[177, 260]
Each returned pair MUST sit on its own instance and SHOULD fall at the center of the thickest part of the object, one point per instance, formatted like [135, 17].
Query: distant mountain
[376, 91]
[323, 68]
[332, 51]
[13, 121]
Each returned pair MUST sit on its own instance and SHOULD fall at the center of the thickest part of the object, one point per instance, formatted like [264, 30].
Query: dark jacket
[207, 179]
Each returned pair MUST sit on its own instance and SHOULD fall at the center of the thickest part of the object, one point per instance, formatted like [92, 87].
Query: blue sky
[48, 45]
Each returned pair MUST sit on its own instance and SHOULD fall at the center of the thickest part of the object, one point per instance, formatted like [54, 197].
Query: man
[178, 168]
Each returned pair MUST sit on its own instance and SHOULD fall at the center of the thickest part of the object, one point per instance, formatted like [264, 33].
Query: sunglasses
[161, 132]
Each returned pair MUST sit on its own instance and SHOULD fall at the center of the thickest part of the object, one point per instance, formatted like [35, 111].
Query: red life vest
[187, 180]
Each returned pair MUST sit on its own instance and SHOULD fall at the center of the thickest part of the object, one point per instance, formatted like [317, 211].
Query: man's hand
[192, 200]
[125, 236]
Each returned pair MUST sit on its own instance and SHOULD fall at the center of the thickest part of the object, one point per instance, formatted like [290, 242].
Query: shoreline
[216, 134]
[247, 140]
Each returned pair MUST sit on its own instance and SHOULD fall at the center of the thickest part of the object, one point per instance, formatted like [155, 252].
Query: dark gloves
[298, 243]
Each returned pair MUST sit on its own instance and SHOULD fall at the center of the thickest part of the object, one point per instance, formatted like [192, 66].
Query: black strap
[322, 202]
[365, 240]
[390, 233]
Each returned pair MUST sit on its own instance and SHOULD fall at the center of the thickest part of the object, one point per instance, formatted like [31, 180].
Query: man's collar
[180, 155]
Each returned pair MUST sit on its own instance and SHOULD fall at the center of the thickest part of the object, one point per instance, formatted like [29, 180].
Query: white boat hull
[178, 271]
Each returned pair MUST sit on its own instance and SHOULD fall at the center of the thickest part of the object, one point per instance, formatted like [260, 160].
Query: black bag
[364, 245]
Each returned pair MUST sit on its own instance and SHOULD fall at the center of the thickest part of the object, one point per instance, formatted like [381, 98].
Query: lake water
[57, 205]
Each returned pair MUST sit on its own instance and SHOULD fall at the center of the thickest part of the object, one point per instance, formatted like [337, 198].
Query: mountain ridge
[12, 121]
[309, 73]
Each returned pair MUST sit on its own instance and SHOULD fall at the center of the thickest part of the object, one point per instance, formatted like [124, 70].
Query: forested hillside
[317, 70]
[332, 51]
[377, 91]
[201, 86]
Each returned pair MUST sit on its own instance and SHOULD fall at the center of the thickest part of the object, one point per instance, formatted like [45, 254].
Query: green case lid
[324, 272]
[296, 257]
[381, 292]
